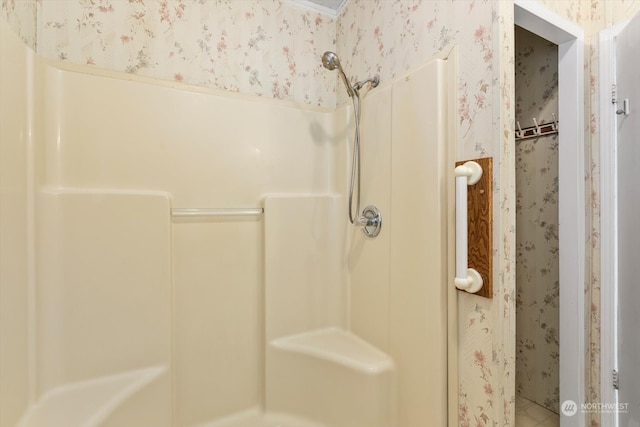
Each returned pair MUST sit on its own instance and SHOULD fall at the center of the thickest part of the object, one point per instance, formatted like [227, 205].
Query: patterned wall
[537, 274]
[258, 47]
[21, 16]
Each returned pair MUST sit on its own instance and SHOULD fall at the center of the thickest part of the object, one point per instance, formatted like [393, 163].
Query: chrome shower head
[330, 61]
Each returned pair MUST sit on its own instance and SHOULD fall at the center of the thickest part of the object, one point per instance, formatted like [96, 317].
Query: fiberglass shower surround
[162, 298]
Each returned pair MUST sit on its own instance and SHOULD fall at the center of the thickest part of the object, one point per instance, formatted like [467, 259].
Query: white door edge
[608, 228]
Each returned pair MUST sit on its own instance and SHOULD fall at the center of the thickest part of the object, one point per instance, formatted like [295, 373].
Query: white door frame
[569, 37]
[608, 232]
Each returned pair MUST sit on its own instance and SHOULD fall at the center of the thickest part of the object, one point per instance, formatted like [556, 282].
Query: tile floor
[530, 414]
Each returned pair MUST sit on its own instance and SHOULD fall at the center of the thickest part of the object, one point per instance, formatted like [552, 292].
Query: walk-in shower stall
[178, 257]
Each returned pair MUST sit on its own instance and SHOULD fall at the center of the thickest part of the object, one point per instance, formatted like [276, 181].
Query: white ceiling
[332, 7]
[331, 4]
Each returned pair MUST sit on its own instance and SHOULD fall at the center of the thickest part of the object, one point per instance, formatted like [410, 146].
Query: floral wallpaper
[271, 49]
[259, 47]
[21, 16]
[537, 269]
[389, 37]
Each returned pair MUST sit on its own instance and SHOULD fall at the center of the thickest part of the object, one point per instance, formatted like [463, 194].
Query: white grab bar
[467, 279]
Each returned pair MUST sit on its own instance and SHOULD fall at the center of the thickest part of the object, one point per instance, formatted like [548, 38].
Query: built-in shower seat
[332, 376]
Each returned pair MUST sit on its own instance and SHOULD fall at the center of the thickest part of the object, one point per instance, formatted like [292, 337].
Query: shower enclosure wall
[115, 313]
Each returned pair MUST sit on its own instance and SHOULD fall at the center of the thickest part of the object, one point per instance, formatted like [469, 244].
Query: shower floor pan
[255, 417]
[319, 378]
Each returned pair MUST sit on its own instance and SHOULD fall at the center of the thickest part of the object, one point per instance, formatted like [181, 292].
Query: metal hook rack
[537, 130]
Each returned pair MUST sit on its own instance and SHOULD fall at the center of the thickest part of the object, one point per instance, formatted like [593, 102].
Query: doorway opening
[537, 242]
[538, 20]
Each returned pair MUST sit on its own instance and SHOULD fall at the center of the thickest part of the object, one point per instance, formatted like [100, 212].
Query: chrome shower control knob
[371, 221]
